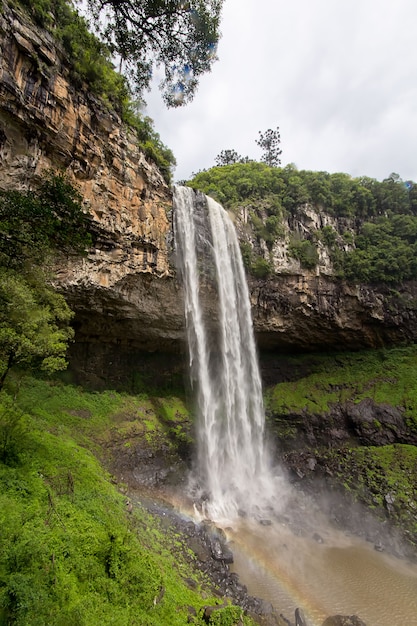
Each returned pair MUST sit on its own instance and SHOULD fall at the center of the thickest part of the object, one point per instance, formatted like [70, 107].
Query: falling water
[233, 468]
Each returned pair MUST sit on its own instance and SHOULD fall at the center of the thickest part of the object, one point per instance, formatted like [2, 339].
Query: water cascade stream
[233, 464]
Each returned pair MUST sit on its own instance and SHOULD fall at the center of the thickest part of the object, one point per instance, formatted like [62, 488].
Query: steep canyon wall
[124, 292]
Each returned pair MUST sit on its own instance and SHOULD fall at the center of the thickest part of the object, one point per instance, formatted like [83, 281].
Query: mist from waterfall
[233, 468]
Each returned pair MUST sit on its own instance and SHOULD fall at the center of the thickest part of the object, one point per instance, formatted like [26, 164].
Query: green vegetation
[325, 382]
[91, 66]
[269, 141]
[384, 375]
[34, 319]
[70, 552]
[385, 251]
[377, 236]
[374, 472]
[180, 37]
[305, 251]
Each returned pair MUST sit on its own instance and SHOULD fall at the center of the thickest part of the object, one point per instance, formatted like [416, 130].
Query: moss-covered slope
[73, 551]
[351, 420]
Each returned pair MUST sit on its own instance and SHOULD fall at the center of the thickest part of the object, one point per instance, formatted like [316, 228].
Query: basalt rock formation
[124, 292]
[124, 289]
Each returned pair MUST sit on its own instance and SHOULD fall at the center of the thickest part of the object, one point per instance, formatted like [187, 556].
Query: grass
[385, 376]
[70, 553]
[376, 473]
[326, 382]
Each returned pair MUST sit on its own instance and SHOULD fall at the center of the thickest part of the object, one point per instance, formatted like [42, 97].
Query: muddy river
[324, 574]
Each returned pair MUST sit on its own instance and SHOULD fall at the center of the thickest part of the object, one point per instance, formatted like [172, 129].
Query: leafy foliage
[228, 616]
[321, 382]
[305, 251]
[33, 223]
[180, 36]
[34, 319]
[70, 553]
[385, 250]
[377, 240]
[228, 157]
[34, 323]
[270, 141]
[149, 140]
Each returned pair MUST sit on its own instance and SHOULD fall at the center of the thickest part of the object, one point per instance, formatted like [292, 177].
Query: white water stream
[234, 470]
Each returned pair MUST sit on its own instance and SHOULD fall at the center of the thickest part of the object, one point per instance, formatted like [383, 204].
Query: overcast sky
[338, 77]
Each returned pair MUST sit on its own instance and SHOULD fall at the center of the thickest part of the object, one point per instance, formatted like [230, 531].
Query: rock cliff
[124, 292]
[124, 289]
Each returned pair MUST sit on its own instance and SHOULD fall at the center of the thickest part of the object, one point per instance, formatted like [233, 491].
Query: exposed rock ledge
[125, 292]
[125, 284]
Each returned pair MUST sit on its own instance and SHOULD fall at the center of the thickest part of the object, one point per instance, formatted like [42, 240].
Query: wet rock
[311, 463]
[192, 615]
[200, 550]
[300, 620]
[190, 583]
[190, 529]
[377, 424]
[209, 610]
[389, 500]
[221, 552]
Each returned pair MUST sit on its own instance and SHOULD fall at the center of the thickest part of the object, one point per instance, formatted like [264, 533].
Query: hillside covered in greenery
[372, 236]
[71, 552]
[376, 461]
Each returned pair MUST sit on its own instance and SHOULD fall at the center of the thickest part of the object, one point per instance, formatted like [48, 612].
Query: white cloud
[338, 77]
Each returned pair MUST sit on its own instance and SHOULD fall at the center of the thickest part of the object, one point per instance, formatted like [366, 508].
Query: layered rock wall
[124, 292]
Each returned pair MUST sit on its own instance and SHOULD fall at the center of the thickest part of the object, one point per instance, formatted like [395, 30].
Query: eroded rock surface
[124, 289]
[124, 292]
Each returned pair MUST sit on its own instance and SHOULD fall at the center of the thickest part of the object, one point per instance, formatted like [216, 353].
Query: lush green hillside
[376, 235]
[70, 551]
[320, 401]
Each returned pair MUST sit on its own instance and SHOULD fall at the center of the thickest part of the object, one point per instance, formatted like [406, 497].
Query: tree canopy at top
[180, 35]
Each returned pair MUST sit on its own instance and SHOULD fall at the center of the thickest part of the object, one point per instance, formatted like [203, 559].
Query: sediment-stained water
[327, 575]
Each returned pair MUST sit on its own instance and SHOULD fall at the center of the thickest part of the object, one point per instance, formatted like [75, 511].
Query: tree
[34, 319]
[227, 157]
[180, 35]
[34, 223]
[34, 323]
[269, 141]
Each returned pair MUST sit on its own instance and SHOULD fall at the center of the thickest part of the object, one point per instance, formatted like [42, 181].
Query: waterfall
[233, 468]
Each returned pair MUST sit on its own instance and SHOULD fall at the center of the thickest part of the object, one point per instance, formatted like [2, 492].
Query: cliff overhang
[124, 291]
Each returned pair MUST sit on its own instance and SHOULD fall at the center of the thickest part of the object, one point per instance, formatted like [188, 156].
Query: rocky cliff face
[314, 310]
[124, 291]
